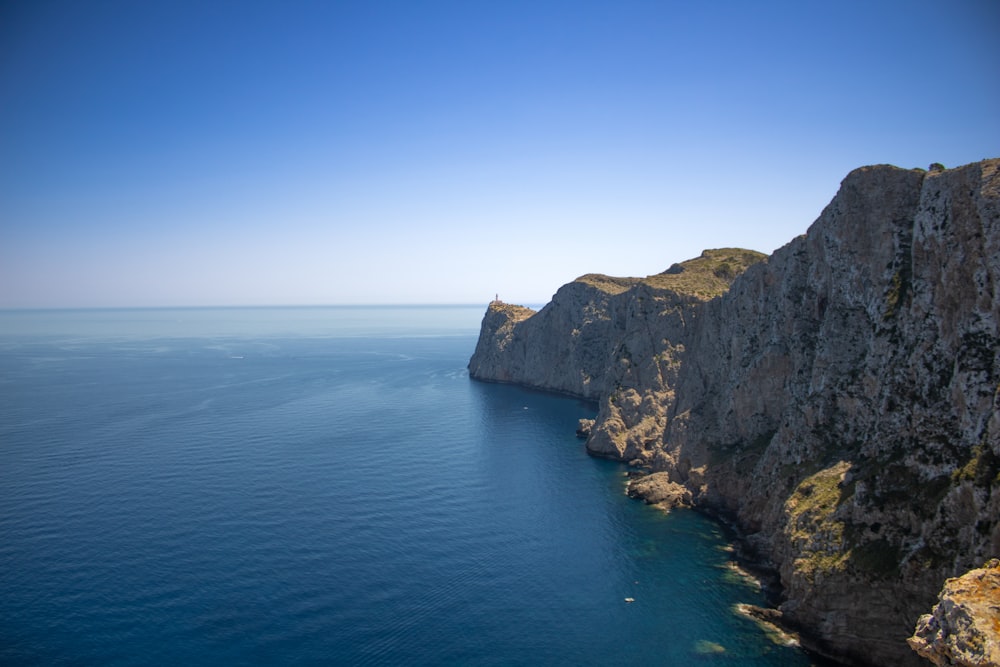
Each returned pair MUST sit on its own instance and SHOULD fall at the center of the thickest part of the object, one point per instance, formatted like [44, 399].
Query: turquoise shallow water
[326, 486]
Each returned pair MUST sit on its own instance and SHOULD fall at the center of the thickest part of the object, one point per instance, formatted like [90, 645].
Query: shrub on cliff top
[707, 276]
[704, 277]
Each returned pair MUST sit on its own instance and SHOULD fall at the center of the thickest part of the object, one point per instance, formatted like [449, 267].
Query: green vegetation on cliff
[708, 276]
[813, 527]
[704, 277]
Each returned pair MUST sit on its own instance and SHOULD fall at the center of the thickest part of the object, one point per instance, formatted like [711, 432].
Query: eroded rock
[964, 628]
[657, 489]
[840, 400]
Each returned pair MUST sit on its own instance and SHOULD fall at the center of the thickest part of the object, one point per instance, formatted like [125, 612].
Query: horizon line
[429, 304]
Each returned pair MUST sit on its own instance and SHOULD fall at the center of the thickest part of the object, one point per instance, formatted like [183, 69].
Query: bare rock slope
[839, 400]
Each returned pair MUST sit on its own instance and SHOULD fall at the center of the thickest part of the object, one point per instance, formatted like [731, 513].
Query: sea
[327, 486]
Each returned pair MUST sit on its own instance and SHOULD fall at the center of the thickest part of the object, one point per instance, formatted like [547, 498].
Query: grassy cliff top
[510, 310]
[705, 277]
[608, 284]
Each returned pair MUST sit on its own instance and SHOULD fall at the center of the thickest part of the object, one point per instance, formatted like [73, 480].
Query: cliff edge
[839, 400]
[962, 629]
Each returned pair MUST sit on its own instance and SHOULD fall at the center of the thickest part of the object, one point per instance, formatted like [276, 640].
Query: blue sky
[168, 153]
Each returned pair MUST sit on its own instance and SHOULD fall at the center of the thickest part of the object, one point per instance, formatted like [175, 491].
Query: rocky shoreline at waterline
[838, 400]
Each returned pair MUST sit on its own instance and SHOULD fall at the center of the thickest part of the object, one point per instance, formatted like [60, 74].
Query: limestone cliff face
[595, 322]
[840, 401]
[964, 628]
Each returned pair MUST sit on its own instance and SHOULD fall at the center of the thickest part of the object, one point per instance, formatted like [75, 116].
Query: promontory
[837, 401]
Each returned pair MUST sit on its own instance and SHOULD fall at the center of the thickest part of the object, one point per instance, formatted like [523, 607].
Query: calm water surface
[326, 486]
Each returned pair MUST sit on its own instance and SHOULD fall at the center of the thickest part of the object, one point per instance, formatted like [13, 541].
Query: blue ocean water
[327, 486]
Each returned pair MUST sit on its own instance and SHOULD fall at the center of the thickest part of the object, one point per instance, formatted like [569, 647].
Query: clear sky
[167, 153]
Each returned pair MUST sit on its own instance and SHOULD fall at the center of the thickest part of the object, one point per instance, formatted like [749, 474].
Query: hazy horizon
[230, 154]
[223, 306]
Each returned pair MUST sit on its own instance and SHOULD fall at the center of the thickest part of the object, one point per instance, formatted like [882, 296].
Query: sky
[178, 153]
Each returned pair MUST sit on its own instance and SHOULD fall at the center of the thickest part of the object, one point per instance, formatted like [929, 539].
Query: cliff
[962, 630]
[838, 400]
[566, 347]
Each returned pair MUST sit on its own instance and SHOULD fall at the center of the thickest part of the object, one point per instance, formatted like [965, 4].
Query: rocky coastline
[837, 401]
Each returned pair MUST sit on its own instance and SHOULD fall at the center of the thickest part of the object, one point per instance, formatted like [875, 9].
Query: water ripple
[347, 501]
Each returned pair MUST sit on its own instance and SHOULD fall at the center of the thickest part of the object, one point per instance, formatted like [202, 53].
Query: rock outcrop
[659, 490]
[839, 401]
[964, 628]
